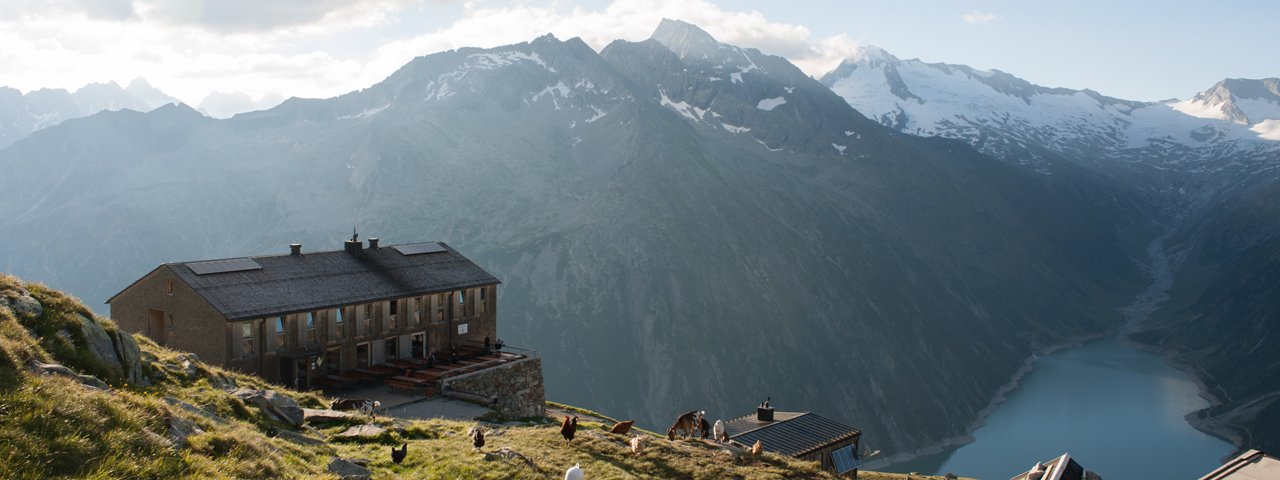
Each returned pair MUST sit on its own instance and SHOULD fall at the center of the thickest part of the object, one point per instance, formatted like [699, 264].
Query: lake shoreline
[1204, 423]
[1145, 303]
[996, 400]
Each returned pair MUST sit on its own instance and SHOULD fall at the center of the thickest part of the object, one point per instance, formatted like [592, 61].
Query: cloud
[231, 16]
[322, 48]
[976, 17]
[632, 20]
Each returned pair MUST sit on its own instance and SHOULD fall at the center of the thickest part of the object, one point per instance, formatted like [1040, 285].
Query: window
[279, 332]
[311, 327]
[483, 306]
[441, 300]
[339, 325]
[366, 325]
[246, 338]
[460, 310]
[417, 310]
[391, 319]
[168, 287]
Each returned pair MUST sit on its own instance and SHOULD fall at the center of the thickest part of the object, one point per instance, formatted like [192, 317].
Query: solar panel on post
[845, 460]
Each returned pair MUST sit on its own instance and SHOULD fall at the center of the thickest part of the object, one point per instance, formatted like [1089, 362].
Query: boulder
[24, 305]
[348, 470]
[223, 382]
[194, 409]
[312, 415]
[130, 358]
[365, 432]
[59, 370]
[280, 406]
[181, 428]
[100, 343]
[188, 362]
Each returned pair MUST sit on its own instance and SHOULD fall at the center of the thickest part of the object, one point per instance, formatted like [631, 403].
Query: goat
[686, 423]
[348, 404]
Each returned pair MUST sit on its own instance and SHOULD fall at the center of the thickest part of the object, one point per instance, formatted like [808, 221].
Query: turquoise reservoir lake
[1118, 411]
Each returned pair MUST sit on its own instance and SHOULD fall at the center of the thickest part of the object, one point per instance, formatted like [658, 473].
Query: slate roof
[316, 280]
[793, 434]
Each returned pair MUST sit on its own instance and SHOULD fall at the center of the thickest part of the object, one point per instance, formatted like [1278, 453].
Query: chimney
[295, 249]
[764, 414]
[354, 247]
[373, 243]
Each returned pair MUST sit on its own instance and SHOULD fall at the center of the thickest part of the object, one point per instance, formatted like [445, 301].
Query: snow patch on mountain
[683, 108]
[495, 60]
[1267, 129]
[599, 114]
[366, 113]
[769, 104]
[735, 128]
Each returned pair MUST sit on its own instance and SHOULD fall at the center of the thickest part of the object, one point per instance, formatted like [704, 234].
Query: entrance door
[418, 345]
[155, 327]
[391, 349]
[302, 374]
[287, 366]
[333, 361]
[364, 357]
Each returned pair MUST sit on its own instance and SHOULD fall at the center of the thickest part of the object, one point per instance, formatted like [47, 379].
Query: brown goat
[686, 424]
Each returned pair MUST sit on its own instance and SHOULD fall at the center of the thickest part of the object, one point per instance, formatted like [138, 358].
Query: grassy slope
[55, 427]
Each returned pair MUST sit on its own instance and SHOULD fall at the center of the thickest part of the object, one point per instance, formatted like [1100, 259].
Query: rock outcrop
[314, 416]
[24, 305]
[279, 406]
[53, 369]
[348, 470]
[181, 428]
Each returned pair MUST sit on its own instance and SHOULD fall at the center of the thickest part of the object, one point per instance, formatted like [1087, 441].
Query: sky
[272, 49]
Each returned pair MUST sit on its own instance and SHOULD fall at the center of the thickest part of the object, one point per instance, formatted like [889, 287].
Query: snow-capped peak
[1007, 117]
[1239, 100]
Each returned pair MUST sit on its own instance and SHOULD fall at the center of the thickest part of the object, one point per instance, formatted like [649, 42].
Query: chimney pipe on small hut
[764, 414]
[295, 249]
[373, 243]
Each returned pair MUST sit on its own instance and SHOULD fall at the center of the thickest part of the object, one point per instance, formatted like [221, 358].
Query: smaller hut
[803, 435]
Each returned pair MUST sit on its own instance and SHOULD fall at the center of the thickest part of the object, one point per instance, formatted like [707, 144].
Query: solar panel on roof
[419, 248]
[224, 266]
[846, 460]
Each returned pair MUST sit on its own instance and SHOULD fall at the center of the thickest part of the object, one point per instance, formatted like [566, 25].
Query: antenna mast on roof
[355, 237]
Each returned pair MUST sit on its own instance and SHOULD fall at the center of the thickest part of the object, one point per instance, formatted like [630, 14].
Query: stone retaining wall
[517, 386]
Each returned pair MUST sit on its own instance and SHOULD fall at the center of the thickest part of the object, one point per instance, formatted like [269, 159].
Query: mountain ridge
[667, 212]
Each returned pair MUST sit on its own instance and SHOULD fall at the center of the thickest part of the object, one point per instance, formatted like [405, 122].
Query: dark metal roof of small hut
[315, 280]
[790, 433]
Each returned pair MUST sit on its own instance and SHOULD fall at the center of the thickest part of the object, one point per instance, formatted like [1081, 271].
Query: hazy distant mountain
[22, 114]
[678, 223]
